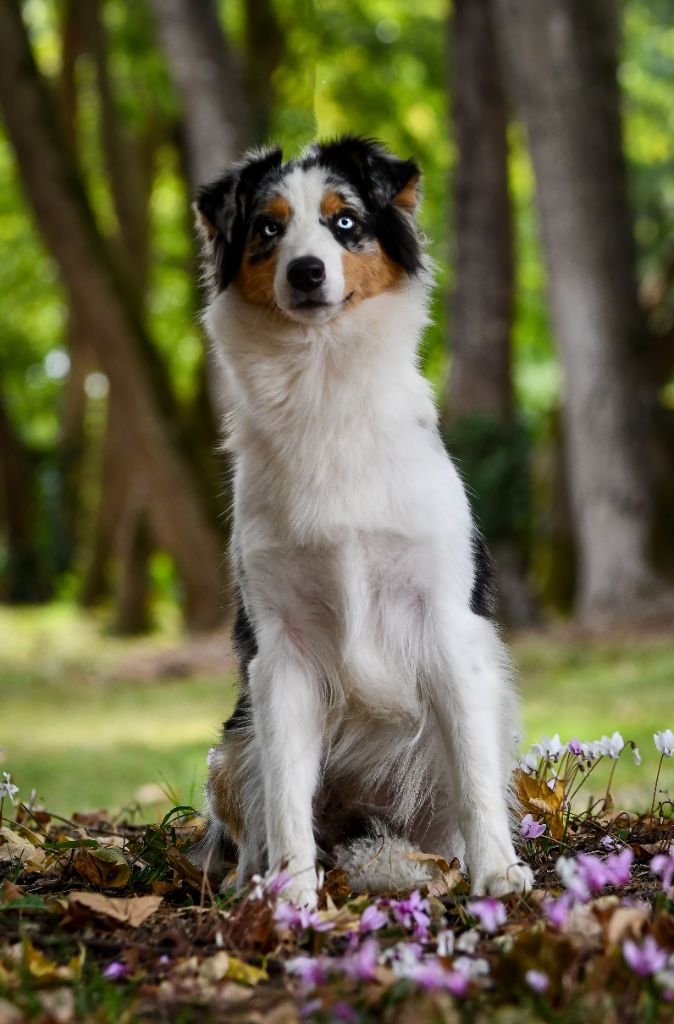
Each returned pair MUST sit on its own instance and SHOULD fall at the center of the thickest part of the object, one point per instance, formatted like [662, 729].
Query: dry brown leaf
[106, 867]
[132, 911]
[430, 858]
[15, 846]
[10, 891]
[536, 797]
[59, 1005]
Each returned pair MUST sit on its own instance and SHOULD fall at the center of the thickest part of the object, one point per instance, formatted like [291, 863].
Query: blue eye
[270, 229]
[345, 223]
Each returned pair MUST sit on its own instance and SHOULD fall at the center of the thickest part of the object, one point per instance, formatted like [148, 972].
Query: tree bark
[561, 58]
[208, 78]
[480, 374]
[109, 315]
[479, 395]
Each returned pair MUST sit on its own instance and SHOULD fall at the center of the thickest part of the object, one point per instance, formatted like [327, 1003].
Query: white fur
[352, 533]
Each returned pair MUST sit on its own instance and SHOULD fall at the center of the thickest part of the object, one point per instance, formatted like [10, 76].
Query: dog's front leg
[288, 719]
[474, 708]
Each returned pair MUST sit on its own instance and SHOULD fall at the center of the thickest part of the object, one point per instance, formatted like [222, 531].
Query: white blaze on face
[305, 235]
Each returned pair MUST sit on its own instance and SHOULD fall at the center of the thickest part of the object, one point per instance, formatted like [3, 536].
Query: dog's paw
[516, 877]
[302, 889]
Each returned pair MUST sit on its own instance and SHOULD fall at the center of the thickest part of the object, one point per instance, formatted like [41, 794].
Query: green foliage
[493, 459]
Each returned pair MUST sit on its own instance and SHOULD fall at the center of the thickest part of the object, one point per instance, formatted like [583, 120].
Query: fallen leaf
[535, 796]
[429, 858]
[105, 867]
[14, 846]
[59, 1005]
[132, 911]
[10, 891]
[45, 971]
[244, 974]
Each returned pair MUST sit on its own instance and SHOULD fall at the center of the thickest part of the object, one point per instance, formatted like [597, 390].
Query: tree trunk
[480, 378]
[479, 394]
[208, 79]
[110, 317]
[562, 61]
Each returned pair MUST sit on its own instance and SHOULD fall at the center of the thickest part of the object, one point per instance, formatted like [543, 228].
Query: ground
[102, 918]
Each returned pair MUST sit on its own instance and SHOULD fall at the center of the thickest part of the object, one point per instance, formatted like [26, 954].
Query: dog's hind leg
[474, 705]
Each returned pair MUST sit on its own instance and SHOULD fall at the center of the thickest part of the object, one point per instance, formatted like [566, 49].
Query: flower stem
[655, 787]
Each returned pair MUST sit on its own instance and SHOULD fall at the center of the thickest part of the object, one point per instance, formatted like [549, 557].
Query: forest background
[546, 137]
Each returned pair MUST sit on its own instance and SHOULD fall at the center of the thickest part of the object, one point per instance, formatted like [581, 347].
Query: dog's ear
[381, 178]
[223, 208]
[389, 187]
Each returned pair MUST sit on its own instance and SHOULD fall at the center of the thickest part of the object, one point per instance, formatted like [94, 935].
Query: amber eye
[345, 223]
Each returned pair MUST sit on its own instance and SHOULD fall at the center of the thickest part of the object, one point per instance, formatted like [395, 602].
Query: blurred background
[546, 136]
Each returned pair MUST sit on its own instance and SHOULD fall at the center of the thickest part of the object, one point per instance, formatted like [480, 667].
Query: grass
[82, 726]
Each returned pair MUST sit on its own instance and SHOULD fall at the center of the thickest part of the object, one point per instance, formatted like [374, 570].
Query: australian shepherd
[376, 711]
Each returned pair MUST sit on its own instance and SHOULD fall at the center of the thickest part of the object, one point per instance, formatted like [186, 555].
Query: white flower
[7, 788]
[664, 741]
[637, 755]
[467, 943]
[529, 763]
[445, 942]
[551, 749]
[611, 747]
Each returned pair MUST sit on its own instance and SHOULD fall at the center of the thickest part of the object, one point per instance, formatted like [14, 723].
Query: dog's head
[314, 236]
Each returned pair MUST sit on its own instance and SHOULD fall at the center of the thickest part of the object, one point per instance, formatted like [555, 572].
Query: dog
[376, 712]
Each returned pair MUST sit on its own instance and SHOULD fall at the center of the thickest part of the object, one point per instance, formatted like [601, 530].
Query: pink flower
[115, 970]
[592, 871]
[645, 959]
[663, 866]
[311, 971]
[531, 829]
[537, 981]
[491, 913]
[618, 867]
[575, 747]
[431, 975]
[288, 915]
[361, 965]
[557, 910]
[412, 911]
[372, 919]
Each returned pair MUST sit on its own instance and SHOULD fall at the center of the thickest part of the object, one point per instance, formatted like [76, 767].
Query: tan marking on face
[331, 203]
[369, 273]
[278, 207]
[408, 196]
[255, 281]
[224, 784]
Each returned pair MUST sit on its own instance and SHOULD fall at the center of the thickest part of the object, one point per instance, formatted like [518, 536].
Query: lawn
[89, 720]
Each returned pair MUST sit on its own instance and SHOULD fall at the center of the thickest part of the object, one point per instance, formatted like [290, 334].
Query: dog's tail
[381, 862]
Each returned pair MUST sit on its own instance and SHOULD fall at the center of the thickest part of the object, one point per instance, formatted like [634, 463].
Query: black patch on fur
[483, 596]
[245, 648]
[378, 177]
[226, 204]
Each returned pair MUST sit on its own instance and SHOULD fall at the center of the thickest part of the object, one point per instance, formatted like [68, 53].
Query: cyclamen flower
[7, 788]
[311, 970]
[430, 975]
[645, 959]
[567, 869]
[361, 965]
[537, 981]
[491, 913]
[663, 866]
[115, 970]
[612, 746]
[574, 746]
[372, 919]
[550, 749]
[618, 867]
[413, 910]
[531, 829]
[592, 871]
[299, 917]
[664, 741]
[557, 910]
[636, 755]
[528, 764]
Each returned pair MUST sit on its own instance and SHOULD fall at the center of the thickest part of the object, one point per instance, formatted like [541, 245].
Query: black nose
[306, 273]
